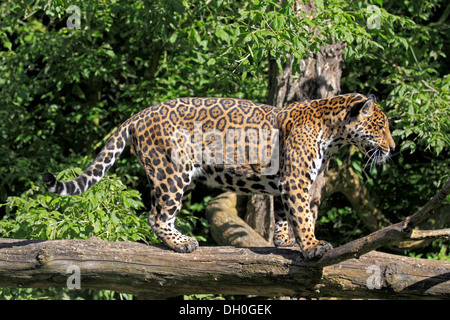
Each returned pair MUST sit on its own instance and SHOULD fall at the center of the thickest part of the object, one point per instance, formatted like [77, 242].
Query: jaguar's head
[367, 127]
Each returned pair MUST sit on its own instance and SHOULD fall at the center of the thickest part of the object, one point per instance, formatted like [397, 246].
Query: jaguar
[243, 146]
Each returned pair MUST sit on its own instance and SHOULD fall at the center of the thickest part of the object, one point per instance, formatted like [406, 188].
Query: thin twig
[430, 234]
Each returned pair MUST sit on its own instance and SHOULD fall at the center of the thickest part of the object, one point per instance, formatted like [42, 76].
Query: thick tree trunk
[320, 73]
[320, 77]
[157, 272]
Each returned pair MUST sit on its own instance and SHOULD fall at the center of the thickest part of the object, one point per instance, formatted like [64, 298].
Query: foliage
[191, 221]
[408, 72]
[339, 224]
[108, 211]
[424, 118]
[66, 85]
[60, 294]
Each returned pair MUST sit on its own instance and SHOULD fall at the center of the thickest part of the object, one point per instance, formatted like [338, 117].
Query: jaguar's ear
[363, 108]
[367, 108]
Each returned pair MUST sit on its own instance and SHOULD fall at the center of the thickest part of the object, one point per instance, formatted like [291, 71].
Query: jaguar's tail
[95, 172]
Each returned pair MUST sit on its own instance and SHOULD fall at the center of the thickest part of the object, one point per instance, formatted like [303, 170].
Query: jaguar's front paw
[317, 251]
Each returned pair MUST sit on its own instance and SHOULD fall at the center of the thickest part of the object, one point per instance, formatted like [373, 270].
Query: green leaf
[222, 34]
[114, 218]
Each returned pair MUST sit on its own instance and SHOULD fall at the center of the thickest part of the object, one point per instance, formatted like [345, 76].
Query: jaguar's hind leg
[162, 221]
[283, 236]
[170, 236]
[167, 198]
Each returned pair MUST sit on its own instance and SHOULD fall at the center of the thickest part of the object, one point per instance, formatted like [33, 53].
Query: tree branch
[227, 228]
[394, 233]
[344, 180]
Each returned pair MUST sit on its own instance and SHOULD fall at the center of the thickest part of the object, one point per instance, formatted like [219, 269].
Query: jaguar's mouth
[376, 156]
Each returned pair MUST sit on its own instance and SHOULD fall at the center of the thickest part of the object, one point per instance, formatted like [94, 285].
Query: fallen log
[157, 272]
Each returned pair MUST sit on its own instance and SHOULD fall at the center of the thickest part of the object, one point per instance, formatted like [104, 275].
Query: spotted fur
[174, 142]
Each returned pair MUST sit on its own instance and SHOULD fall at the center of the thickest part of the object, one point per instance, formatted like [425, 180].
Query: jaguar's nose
[391, 141]
[392, 145]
